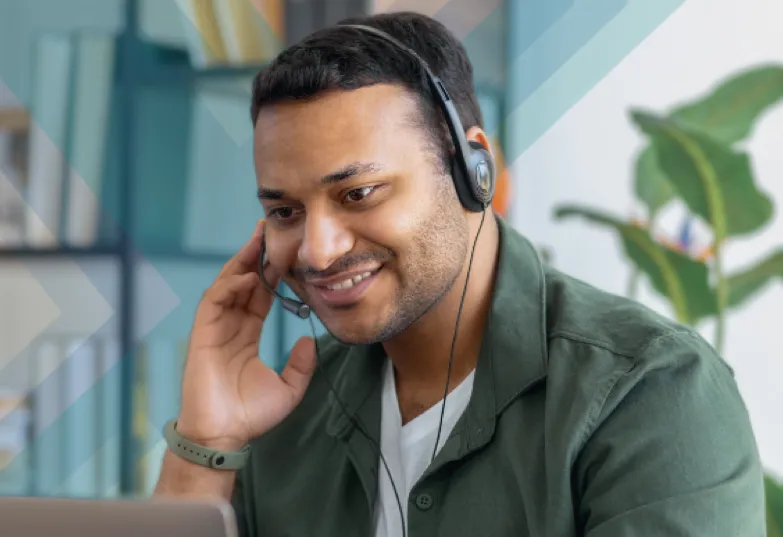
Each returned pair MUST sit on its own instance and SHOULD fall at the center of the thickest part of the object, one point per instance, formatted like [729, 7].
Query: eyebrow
[343, 174]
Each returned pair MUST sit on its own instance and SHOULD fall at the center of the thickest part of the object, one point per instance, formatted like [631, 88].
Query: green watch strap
[204, 456]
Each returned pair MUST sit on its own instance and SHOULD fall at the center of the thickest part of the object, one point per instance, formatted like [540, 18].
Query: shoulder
[611, 348]
[580, 312]
[658, 426]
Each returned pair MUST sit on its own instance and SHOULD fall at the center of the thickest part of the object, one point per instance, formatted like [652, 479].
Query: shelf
[150, 254]
[154, 254]
[27, 252]
[187, 75]
[172, 254]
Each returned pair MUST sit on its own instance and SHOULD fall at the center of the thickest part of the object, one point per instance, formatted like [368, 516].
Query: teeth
[350, 282]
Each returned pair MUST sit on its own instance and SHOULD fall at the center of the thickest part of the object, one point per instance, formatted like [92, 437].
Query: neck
[421, 354]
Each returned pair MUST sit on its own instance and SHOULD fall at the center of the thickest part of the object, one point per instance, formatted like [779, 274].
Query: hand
[229, 395]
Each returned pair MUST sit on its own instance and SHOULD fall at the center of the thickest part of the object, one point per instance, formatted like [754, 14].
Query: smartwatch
[202, 455]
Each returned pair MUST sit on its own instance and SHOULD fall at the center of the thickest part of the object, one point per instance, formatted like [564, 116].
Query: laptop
[47, 517]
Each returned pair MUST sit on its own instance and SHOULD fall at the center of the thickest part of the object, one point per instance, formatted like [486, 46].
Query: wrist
[184, 479]
[197, 435]
[219, 458]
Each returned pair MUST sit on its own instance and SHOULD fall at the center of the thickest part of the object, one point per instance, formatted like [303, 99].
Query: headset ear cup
[465, 187]
[483, 172]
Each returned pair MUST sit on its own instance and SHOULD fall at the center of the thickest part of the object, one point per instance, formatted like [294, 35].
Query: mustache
[343, 264]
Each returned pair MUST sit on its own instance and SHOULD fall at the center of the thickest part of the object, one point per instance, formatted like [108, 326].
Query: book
[94, 70]
[48, 134]
[242, 27]
[203, 34]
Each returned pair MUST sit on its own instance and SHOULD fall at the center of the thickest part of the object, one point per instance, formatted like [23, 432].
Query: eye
[281, 213]
[358, 194]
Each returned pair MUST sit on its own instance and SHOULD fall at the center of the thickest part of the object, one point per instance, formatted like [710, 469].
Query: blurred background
[640, 148]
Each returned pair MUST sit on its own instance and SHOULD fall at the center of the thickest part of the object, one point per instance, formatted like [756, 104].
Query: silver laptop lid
[46, 517]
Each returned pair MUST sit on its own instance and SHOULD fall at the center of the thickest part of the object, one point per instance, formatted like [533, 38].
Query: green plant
[693, 154]
[773, 490]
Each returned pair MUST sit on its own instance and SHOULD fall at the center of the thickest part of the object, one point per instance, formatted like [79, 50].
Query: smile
[345, 291]
[350, 282]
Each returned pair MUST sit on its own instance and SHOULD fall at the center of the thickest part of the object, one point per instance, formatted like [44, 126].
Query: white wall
[587, 157]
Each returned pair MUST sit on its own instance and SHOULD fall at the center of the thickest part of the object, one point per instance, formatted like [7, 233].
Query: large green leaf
[743, 284]
[715, 181]
[746, 283]
[730, 110]
[682, 280]
[727, 114]
[773, 491]
[652, 186]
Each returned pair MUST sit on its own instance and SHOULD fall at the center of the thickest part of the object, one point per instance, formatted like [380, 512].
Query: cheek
[392, 231]
[401, 230]
[399, 219]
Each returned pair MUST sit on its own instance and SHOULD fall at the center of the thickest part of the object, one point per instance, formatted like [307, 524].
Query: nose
[325, 240]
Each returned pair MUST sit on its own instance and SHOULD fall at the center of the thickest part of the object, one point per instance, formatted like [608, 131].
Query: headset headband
[481, 187]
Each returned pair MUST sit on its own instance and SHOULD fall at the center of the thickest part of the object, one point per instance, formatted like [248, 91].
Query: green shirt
[590, 415]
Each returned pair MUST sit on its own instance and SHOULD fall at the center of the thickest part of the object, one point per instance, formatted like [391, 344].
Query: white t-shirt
[408, 449]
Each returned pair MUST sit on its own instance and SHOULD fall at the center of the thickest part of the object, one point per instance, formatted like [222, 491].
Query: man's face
[358, 218]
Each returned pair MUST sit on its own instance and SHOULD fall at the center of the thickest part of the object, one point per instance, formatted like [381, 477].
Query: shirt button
[424, 501]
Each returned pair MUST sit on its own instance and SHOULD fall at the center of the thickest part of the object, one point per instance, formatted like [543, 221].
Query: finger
[226, 291]
[247, 258]
[262, 297]
[222, 295]
[299, 370]
[258, 299]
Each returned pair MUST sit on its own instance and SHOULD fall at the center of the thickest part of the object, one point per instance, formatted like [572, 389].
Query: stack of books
[218, 32]
[52, 146]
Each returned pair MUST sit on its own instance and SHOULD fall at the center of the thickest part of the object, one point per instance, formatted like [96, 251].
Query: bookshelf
[156, 251]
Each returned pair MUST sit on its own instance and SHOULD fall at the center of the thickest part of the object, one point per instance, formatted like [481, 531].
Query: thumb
[300, 367]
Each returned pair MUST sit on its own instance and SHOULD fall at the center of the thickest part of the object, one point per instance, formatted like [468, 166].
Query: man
[568, 411]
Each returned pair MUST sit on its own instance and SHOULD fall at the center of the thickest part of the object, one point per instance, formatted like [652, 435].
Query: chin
[360, 328]
[360, 323]
[349, 330]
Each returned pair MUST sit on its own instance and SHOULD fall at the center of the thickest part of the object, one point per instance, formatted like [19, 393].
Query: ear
[476, 134]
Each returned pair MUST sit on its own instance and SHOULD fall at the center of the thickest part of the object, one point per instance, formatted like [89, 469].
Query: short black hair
[336, 58]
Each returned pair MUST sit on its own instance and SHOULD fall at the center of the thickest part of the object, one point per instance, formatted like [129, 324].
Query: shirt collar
[515, 341]
[513, 356]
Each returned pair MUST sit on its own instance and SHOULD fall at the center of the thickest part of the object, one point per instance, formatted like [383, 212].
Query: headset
[474, 175]
[473, 168]
[297, 307]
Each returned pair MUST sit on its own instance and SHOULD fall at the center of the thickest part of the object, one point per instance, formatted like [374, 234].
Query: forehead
[304, 140]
